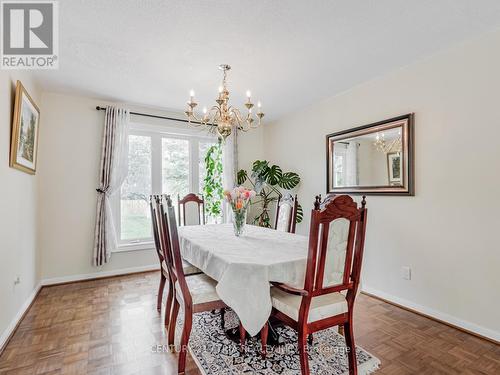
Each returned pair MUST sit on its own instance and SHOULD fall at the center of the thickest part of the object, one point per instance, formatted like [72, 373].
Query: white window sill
[123, 248]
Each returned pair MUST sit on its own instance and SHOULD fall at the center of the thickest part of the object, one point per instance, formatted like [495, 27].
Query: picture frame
[25, 129]
[394, 168]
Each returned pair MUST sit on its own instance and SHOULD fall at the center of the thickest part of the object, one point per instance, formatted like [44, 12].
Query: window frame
[157, 132]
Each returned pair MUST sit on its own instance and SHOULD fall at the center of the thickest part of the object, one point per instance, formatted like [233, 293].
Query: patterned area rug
[215, 353]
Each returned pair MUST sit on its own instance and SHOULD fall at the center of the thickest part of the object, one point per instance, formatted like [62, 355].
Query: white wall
[68, 176]
[250, 147]
[18, 255]
[447, 233]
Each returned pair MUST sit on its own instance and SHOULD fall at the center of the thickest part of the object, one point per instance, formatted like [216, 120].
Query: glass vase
[239, 221]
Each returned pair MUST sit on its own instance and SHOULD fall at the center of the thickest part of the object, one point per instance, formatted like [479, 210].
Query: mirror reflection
[373, 159]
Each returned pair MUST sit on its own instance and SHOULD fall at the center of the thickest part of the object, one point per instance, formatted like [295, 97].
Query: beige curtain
[112, 173]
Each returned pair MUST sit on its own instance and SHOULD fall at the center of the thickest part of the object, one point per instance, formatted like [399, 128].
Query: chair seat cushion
[322, 307]
[201, 287]
[189, 269]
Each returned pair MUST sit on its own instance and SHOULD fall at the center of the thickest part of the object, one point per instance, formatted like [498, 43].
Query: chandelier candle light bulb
[223, 117]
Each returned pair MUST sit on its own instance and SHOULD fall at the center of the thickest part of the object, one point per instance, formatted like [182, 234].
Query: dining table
[244, 266]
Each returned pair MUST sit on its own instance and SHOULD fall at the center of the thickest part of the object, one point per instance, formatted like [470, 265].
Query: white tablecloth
[244, 266]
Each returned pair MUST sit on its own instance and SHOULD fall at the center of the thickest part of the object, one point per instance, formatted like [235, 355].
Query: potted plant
[266, 180]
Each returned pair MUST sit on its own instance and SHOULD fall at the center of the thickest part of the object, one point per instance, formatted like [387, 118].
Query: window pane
[175, 167]
[135, 214]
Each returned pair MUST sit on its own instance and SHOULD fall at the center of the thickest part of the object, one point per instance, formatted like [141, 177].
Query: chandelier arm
[240, 122]
[210, 117]
[256, 125]
[236, 112]
[192, 117]
[248, 121]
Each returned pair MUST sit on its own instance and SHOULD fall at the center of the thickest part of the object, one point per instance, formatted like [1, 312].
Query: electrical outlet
[406, 272]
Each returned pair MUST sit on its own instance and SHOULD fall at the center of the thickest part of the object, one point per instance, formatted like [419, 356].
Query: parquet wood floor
[109, 326]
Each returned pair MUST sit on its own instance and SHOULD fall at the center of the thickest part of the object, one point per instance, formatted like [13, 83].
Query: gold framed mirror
[372, 159]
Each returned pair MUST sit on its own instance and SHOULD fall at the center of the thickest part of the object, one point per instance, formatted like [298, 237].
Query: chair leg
[243, 336]
[310, 339]
[186, 332]
[263, 339]
[160, 291]
[168, 307]
[341, 330]
[351, 354]
[173, 323]
[222, 317]
[304, 362]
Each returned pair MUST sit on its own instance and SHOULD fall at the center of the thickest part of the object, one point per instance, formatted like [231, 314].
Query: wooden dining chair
[286, 214]
[191, 209]
[195, 293]
[162, 251]
[332, 268]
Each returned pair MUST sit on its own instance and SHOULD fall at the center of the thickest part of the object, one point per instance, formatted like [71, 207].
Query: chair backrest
[177, 269]
[153, 202]
[286, 214]
[336, 244]
[191, 209]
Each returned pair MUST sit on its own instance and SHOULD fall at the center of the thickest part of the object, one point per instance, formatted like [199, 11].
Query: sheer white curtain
[230, 168]
[352, 178]
[113, 171]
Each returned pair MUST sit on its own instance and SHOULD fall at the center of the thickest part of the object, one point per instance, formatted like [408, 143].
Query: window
[175, 166]
[135, 219]
[161, 160]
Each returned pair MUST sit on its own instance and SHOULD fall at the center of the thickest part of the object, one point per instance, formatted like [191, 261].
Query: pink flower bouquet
[239, 199]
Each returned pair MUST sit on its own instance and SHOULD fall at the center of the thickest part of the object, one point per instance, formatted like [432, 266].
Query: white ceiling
[289, 53]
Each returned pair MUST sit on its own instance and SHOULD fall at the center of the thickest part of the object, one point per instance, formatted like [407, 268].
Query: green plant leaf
[267, 181]
[300, 213]
[273, 175]
[259, 168]
[212, 188]
[289, 180]
[242, 176]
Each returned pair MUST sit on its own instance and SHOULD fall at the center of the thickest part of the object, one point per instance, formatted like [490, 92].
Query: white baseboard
[15, 321]
[454, 321]
[98, 275]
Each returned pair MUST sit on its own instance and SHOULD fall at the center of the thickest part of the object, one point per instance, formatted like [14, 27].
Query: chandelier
[387, 146]
[222, 117]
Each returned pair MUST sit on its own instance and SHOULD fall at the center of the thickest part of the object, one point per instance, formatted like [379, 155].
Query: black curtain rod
[99, 108]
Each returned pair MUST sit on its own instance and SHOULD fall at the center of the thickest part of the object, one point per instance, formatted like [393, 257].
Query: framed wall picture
[394, 168]
[24, 137]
